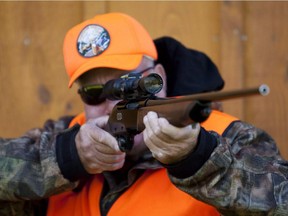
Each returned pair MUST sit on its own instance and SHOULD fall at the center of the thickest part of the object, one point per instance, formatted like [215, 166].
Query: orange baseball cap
[112, 40]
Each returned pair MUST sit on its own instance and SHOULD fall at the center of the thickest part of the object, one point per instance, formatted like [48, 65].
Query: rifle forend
[126, 119]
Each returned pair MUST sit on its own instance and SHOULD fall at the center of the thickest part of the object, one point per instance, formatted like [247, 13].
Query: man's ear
[159, 69]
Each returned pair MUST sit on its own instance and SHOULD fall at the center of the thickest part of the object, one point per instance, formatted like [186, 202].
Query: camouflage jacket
[244, 175]
[29, 170]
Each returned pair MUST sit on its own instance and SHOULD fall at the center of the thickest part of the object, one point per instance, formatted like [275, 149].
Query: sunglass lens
[92, 95]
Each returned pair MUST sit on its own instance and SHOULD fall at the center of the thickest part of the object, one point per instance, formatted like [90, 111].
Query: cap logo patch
[92, 41]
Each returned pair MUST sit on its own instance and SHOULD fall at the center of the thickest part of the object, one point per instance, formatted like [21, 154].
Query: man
[128, 48]
[224, 162]
[216, 162]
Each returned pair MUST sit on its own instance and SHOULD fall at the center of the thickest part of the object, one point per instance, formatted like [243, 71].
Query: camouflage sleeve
[29, 169]
[244, 175]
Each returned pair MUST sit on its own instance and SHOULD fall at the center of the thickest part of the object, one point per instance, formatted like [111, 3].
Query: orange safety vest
[152, 194]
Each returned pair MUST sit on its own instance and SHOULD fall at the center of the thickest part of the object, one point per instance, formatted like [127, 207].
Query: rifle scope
[133, 87]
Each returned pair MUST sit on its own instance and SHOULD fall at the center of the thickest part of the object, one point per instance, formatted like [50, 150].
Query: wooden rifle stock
[126, 119]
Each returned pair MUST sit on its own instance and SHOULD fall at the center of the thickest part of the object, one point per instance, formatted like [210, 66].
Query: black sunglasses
[93, 94]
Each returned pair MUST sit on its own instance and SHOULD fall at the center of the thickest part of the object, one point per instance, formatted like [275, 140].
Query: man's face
[100, 77]
[103, 75]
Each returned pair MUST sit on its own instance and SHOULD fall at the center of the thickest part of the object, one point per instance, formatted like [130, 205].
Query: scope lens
[153, 83]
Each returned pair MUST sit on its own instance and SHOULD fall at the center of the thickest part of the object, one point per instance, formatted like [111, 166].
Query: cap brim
[122, 62]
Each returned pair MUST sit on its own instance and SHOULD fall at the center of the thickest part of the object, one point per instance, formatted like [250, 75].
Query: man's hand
[98, 150]
[169, 144]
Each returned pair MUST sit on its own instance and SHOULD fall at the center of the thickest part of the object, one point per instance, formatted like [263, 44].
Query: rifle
[137, 98]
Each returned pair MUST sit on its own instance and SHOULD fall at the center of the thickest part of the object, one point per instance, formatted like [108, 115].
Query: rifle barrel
[214, 96]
